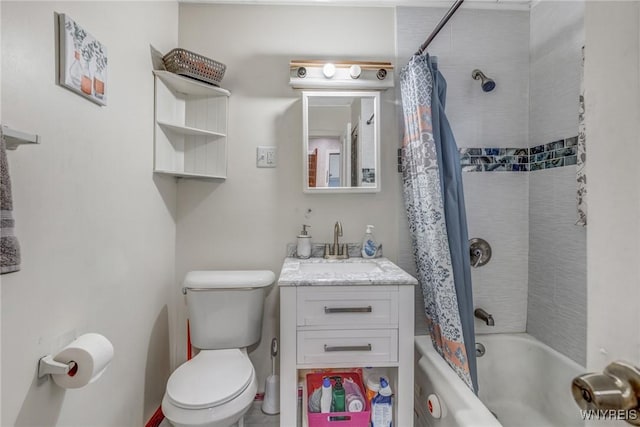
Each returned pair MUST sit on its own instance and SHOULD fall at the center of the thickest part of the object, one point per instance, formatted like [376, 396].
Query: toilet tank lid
[216, 279]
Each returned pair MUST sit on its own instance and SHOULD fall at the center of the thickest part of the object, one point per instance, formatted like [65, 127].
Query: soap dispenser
[369, 244]
[303, 249]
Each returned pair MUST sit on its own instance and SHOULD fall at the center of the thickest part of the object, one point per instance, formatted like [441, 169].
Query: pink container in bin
[337, 419]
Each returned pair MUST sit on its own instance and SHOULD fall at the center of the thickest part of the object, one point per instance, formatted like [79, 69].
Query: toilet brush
[271, 402]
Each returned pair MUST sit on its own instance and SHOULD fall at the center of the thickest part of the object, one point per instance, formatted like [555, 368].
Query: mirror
[341, 137]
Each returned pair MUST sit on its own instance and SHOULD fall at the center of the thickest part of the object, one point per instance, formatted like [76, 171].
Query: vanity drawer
[348, 345]
[347, 306]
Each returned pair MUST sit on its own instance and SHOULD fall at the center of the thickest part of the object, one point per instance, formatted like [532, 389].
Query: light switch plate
[266, 157]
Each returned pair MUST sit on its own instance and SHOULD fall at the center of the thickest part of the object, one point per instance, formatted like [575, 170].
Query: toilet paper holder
[48, 366]
[617, 388]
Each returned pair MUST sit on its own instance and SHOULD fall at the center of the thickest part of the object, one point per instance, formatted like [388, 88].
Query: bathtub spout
[483, 315]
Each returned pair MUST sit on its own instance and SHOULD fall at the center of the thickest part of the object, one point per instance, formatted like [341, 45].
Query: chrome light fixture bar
[320, 74]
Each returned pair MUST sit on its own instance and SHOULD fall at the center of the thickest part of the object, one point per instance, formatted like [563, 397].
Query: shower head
[487, 84]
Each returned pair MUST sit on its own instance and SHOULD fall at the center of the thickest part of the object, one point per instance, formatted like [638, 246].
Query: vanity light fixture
[330, 74]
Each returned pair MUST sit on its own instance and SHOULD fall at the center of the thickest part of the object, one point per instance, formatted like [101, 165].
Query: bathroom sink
[340, 267]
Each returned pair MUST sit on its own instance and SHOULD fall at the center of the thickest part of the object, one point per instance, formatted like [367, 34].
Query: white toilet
[216, 387]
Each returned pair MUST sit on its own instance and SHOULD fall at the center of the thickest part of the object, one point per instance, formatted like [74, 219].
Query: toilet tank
[225, 307]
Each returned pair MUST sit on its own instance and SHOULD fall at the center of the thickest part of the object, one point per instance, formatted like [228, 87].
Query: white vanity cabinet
[326, 324]
[190, 135]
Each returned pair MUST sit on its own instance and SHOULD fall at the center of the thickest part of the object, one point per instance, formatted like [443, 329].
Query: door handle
[617, 388]
[329, 348]
[329, 310]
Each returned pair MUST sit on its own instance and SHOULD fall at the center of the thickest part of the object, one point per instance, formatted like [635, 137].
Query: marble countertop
[387, 273]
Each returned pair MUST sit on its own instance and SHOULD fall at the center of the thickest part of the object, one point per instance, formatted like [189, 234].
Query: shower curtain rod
[441, 24]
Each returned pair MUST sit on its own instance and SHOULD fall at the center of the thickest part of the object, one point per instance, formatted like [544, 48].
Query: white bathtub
[522, 381]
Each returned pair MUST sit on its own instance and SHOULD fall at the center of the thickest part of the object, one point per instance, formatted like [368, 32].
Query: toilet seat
[212, 378]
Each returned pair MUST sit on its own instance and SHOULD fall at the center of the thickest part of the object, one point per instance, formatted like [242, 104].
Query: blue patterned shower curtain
[434, 202]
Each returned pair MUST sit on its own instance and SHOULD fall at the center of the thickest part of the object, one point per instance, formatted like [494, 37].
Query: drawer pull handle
[329, 310]
[328, 348]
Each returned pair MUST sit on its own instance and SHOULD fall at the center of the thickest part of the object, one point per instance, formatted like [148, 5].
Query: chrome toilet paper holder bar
[48, 366]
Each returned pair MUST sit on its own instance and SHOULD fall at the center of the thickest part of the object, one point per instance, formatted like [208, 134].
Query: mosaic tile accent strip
[553, 154]
[546, 156]
[494, 159]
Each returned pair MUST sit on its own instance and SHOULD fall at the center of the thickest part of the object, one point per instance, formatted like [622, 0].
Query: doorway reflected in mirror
[341, 137]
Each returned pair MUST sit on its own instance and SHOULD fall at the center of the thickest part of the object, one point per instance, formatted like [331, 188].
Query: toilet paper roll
[89, 355]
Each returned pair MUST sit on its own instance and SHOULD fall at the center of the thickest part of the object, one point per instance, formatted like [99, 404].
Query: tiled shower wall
[497, 42]
[557, 297]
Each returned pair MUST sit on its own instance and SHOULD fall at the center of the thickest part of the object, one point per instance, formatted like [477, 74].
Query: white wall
[246, 221]
[496, 42]
[97, 229]
[612, 66]
[557, 297]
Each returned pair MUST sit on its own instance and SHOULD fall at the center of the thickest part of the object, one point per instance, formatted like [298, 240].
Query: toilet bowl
[214, 389]
[217, 387]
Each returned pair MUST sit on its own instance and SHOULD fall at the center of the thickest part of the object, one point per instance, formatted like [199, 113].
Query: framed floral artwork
[83, 61]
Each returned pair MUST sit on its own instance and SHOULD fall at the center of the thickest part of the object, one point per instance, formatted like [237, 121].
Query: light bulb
[355, 71]
[329, 70]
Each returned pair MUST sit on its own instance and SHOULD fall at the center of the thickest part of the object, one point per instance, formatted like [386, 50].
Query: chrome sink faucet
[483, 315]
[335, 251]
[337, 233]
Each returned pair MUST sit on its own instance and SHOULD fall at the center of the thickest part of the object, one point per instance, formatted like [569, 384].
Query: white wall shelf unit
[190, 127]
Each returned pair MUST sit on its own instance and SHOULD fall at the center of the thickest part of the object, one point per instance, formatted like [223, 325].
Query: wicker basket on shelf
[190, 64]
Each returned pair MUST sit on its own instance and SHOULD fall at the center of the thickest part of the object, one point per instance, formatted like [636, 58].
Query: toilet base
[239, 423]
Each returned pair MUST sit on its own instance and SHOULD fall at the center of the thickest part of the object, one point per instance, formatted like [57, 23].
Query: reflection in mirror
[341, 141]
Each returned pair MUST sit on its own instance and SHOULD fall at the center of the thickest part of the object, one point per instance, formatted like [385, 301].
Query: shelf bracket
[14, 138]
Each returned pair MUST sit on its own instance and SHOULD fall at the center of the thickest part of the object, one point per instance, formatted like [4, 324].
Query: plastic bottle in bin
[338, 395]
[354, 400]
[326, 397]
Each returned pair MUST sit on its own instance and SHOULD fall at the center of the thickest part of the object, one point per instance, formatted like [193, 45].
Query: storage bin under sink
[337, 419]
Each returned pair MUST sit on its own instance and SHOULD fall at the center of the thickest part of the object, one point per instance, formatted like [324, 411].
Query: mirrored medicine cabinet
[341, 141]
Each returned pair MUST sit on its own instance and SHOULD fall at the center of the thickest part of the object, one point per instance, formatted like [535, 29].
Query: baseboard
[155, 419]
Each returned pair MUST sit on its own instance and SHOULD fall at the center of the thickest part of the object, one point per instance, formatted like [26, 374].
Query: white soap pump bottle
[303, 250]
[369, 244]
